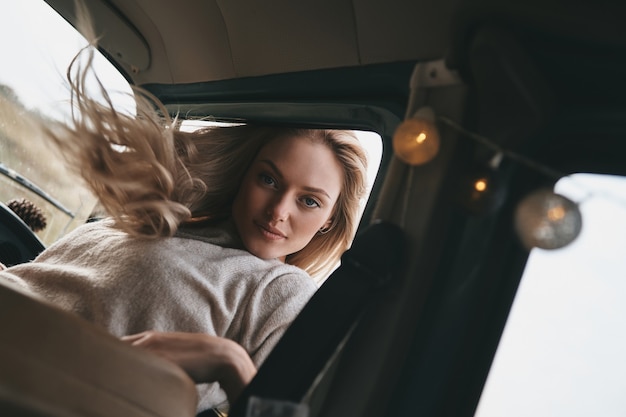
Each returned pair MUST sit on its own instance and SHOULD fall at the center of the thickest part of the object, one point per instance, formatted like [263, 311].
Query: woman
[213, 236]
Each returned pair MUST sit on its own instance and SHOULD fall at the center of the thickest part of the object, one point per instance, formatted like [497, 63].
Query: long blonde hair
[321, 255]
[150, 176]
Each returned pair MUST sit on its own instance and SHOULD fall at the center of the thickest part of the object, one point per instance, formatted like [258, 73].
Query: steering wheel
[18, 243]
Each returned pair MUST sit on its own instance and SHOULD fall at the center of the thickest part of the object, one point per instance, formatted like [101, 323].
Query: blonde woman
[215, 238]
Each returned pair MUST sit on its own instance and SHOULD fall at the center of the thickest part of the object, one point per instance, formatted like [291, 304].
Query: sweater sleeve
[270, 311]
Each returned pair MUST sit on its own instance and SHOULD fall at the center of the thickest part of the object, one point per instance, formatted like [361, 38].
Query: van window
[563, 350]
[32, 75]
[371, 142]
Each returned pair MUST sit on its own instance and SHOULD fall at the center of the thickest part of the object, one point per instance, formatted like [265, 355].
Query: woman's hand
[204, 357]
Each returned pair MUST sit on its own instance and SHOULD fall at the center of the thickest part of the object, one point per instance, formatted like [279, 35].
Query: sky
[37, 48]
[563, 349]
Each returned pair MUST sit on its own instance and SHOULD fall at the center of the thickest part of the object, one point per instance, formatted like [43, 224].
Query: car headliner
[190, 41]
[198, 40]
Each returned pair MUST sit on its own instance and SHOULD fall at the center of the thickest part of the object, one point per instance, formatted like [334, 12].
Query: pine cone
[29, 213]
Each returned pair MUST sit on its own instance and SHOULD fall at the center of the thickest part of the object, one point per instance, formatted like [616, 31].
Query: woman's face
[286, 196]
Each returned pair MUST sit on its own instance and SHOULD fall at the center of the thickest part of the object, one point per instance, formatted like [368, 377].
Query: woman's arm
[204, 357]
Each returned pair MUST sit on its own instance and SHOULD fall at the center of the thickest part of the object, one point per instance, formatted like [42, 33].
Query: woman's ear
[326, 227]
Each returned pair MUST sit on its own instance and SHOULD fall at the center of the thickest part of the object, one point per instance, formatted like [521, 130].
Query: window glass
[563, 350]
[38, 46]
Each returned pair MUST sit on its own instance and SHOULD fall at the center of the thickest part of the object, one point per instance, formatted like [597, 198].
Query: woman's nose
[278, 209]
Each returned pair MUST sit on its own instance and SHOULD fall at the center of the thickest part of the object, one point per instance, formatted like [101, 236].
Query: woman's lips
[270, 232]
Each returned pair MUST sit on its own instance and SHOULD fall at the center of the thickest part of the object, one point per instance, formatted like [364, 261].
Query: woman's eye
[266, 179]
[310, 202]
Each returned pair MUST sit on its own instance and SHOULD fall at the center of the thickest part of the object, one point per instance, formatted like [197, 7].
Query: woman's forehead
[294, 144]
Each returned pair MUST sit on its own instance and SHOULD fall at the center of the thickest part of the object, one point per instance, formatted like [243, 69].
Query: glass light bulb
[547, 220]
[416, 140]
[480, 185]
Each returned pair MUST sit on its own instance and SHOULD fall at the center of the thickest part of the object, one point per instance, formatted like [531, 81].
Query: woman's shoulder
[287, 280]
[257, 273]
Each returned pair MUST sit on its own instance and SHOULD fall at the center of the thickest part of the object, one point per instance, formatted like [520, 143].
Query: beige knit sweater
[198, 281]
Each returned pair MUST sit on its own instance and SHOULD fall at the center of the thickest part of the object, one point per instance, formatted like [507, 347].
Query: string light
[543, 219]
[481, 192]
[501, 151]
[547, 220]
[416, 140]
[480, 185]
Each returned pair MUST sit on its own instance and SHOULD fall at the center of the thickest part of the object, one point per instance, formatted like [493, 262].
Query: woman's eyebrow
[274, 168]
[280, 176]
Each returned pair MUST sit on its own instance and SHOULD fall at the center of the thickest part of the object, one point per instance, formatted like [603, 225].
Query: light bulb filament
[556, 213]
[480, 185]
[420, 138]
[416, 139]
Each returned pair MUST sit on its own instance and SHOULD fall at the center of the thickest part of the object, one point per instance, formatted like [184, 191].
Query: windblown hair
[150, 176]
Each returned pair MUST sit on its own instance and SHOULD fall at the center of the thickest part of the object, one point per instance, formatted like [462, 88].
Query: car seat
[55, 364]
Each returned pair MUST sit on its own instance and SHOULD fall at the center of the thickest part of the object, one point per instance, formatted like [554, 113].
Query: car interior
[478, 105]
